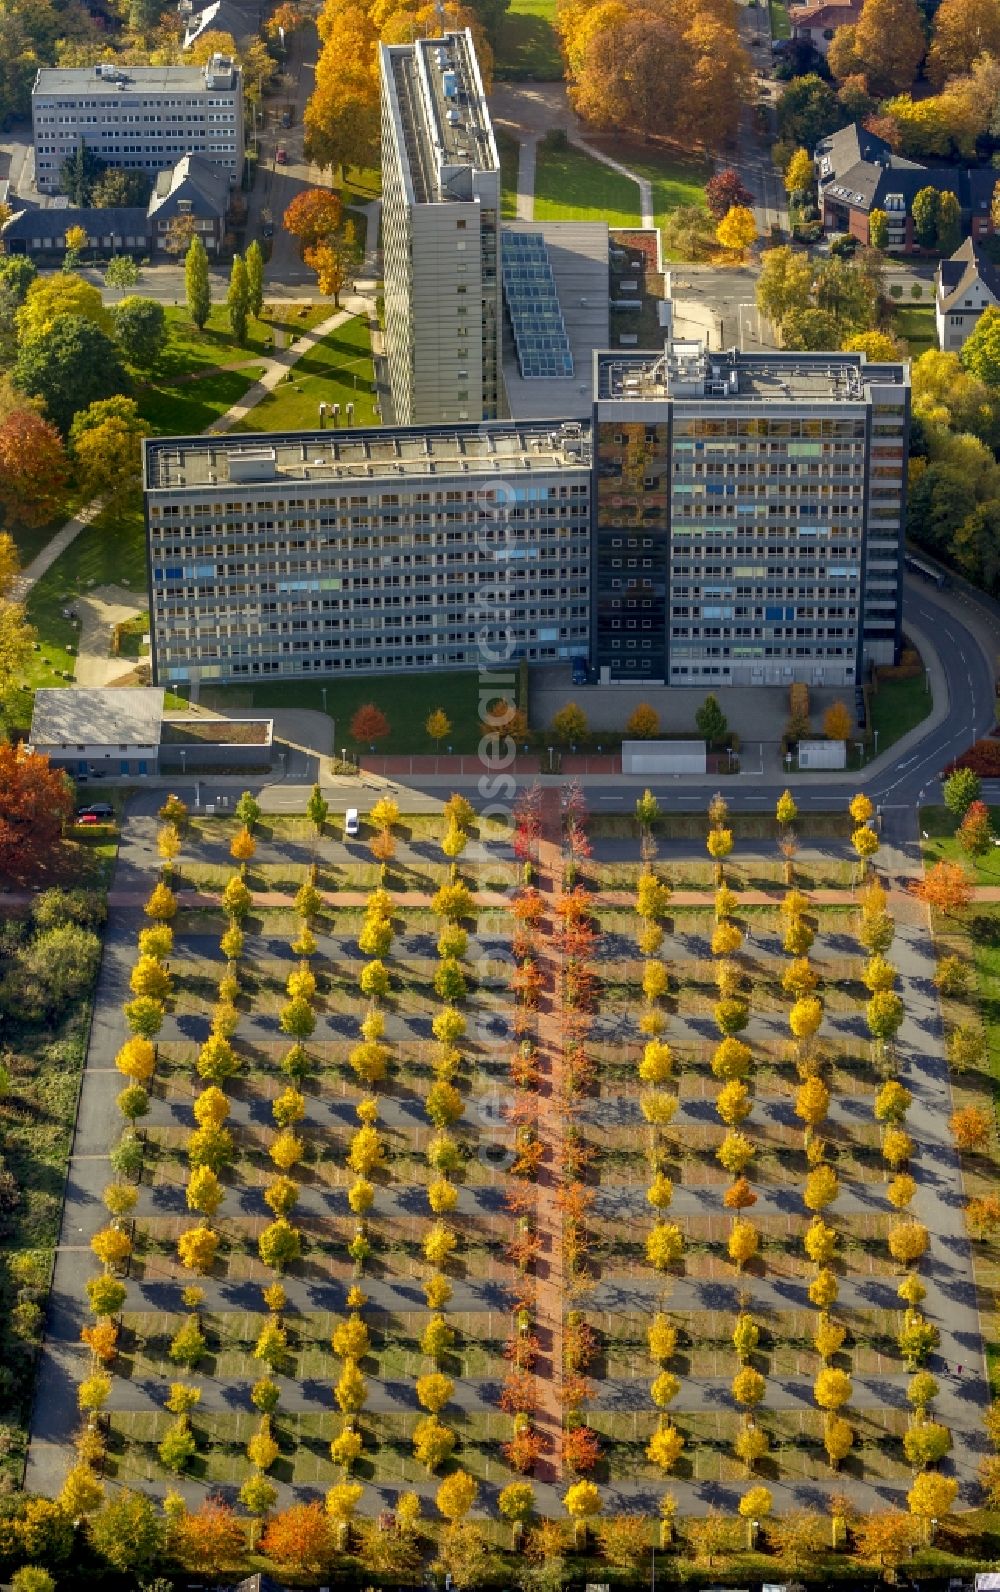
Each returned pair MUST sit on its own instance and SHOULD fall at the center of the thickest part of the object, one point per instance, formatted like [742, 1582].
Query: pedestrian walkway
[279, 364]
[43, 561]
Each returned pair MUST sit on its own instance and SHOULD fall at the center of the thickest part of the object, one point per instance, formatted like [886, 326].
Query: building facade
[725, 519]
[440, 234]
[748, 516]
[140, 118]
[366, 552]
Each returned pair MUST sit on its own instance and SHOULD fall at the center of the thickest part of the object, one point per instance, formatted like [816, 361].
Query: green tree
[255, 279]
[962, 787]
[317, 809]
[121, 271]
[949, 224]
[926, 210]
[72, 365]
[140, 327]
[79, 174]
[981, 351]
[248, 811]
[238, 299]
[807, 110]
[711, 721]
[106, 442]
[128, 1532]
[196, 284]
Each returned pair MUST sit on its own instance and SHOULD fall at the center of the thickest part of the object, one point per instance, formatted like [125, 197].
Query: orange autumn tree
[314, 215]
[342, 116]
[946, 886]
[675, 68]
[212, 1539]
[300, 1539]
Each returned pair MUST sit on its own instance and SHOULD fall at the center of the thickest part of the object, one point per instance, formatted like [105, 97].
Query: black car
[96, 810]
[580, 671]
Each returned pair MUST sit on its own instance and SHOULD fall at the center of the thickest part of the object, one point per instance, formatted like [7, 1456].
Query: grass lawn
[570, 186]
[528, 46]
[110, 550]
[338, 370]
[508, 149]
[406, 701]
[939, 826]
[915, 324]
[899, 706]
[780, 25]
[185, 408]
[676, 179]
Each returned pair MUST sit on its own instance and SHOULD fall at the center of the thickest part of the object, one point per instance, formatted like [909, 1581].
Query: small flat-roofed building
[100, 730]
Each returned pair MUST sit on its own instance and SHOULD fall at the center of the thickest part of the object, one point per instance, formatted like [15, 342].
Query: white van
[352, 824]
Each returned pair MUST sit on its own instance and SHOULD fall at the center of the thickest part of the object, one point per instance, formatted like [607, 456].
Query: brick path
[549, 1271]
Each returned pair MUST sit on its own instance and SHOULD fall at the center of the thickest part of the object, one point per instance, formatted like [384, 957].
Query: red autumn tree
[314, 215]
[35, 802]
[518, 1395]
[300, 1539]
[974, 834]
[580, 1449]
[945, 886]
[725, 190]
[369, 723]
[524, 1450]
[33, 468]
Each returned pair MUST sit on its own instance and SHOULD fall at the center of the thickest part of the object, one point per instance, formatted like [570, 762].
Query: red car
[281, 155]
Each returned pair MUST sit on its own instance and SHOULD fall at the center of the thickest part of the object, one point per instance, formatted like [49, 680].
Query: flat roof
[578, 255]
[79, 80]
[440, 113]
[230, 461]
[130, 715]
[687, 370]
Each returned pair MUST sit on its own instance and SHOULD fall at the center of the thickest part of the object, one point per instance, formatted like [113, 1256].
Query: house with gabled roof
[858, 172]
[966, 284]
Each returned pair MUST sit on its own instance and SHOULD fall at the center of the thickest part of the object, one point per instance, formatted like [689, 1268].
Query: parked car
[352, 823]
[580, 671]
[98, 811]
[266, 224]
[281, 155]
[286, 116]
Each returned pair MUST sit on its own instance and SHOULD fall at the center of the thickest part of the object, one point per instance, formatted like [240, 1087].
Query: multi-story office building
[440, 233]
[748, 516]
[142, 118]
[320, 553]
[728, 519]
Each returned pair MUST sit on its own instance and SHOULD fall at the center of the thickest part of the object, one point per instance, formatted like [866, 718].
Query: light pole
[875, 732]
[323, 693]
[183, 761]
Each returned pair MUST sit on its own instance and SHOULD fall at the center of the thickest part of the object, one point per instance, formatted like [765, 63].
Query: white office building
[140, 118]
[440, 229]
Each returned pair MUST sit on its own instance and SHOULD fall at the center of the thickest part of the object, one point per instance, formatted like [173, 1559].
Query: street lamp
[323, 693]
[183, 761]
[876, 742]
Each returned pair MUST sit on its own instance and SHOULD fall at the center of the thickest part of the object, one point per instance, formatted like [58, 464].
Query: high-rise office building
[727, 519]
[367, 552]
[748, 516]
[440, 233]
[141, 118]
